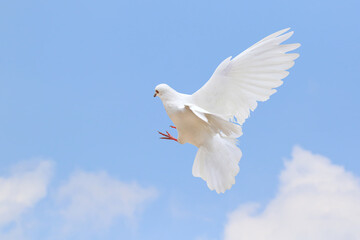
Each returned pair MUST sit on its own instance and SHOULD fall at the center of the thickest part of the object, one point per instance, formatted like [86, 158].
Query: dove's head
[164, 91]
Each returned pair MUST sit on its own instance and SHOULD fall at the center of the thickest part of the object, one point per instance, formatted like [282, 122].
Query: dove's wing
[237, 84]
[216, 122]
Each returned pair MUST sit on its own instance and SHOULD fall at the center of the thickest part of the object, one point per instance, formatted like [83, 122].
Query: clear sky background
[80, 154]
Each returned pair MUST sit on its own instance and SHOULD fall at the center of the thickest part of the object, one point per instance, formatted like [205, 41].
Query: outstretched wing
[237, 84]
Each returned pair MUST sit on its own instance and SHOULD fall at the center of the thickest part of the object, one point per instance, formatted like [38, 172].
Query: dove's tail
[217, 162]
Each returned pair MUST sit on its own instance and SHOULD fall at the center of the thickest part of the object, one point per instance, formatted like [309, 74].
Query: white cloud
[96, 200]
[25, 186]
[316, 200]
[20, 191]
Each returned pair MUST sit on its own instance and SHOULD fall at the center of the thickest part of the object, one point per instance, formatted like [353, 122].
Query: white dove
[211, 118]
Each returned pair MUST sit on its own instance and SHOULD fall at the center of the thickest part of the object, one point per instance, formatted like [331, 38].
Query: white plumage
[203, 118]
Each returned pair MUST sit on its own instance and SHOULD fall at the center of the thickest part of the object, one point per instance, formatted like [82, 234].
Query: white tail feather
[217, 163]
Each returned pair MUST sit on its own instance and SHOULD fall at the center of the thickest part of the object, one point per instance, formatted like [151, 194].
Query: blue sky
[76, 110]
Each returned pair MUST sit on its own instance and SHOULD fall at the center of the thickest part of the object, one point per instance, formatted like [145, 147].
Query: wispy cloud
[85, 204]
[21, 190]
[316, 200]
[95, 200]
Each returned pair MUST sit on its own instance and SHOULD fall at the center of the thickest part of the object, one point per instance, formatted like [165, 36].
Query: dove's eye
[157, 92]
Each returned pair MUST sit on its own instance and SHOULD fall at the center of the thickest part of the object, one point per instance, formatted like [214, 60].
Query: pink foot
[167, 136]
[172, 126]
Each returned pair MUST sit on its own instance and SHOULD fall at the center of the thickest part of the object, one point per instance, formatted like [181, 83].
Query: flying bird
[212, 117]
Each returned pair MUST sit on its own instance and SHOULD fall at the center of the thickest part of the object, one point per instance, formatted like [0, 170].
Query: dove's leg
[172, 126]
[167, 136]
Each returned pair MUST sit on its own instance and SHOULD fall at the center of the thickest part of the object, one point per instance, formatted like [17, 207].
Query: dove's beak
[155, 94]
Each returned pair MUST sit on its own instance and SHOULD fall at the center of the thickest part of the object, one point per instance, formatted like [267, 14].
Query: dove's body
[202, 119]
[206, 131]
[191, 129]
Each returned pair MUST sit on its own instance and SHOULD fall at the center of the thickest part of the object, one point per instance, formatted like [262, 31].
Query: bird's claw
[167, 136]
